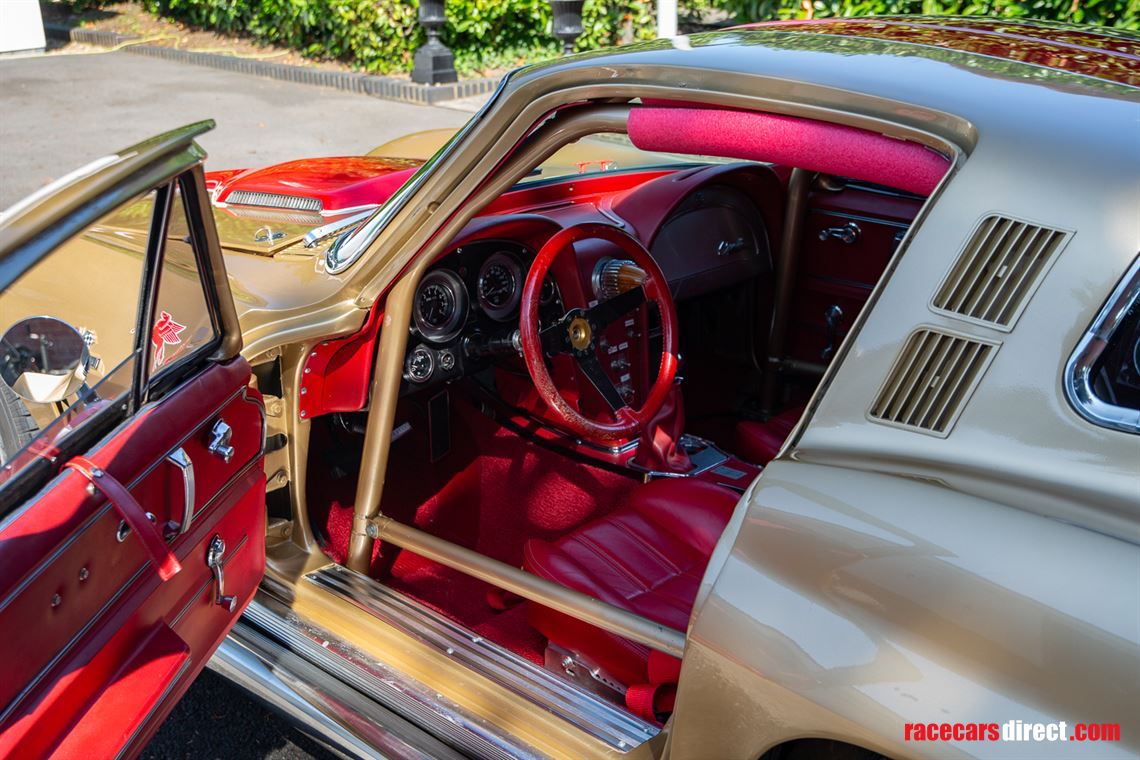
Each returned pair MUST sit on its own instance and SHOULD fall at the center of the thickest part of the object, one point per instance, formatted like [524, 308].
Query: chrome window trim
[346, 252]
[1078, 380]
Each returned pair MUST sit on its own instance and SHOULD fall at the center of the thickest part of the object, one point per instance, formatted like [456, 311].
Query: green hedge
[381, 36]
[1118, 13]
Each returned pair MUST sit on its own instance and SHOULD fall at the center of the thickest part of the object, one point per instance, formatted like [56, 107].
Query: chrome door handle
[847, 234]
[180, 459]
[214, 554]
[220, 436]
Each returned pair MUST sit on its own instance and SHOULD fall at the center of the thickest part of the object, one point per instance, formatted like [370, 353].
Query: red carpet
[491, 493]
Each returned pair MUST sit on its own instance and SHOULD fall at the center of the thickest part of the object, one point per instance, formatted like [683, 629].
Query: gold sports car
[767, 393]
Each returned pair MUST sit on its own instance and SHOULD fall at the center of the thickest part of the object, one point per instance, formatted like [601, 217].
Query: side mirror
[43, 359]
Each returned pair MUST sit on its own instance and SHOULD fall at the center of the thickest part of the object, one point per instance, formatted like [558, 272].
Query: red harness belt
[164, 561]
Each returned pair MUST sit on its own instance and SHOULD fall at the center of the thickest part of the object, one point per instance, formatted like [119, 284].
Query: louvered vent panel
[931, 380]
[274, 200]
[999, 269]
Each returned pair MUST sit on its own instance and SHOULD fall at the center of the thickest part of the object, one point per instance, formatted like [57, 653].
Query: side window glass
[68, 332]
[182, 321]
[91, 282]
[1102, 378]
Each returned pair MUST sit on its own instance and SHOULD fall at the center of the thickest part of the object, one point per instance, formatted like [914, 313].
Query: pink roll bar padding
[793, 141]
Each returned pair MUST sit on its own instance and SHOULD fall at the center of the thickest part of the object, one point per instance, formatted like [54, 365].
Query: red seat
[647, 557]
[759, 442]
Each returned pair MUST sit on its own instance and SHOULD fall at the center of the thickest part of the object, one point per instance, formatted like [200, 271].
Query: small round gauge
[549, 291]
[441, 305]
[420, 365]
[446, 361]
[500, 285]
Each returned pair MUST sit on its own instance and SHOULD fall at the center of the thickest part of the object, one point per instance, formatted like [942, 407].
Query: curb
[388, 88]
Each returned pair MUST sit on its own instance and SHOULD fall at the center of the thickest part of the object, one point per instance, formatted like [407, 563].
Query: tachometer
[500, 285]
[441, 305]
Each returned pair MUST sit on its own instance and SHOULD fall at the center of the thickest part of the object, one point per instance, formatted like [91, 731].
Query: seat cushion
[759, 442]
[647, 557]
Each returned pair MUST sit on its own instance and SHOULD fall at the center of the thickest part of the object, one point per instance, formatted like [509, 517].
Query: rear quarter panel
[847, 603]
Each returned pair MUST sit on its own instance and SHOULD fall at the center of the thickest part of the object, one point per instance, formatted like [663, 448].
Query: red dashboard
[708, 228]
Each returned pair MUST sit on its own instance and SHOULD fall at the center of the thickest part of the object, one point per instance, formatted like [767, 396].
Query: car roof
[1100, 52]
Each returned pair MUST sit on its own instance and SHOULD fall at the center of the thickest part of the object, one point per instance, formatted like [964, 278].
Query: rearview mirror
[43, 359]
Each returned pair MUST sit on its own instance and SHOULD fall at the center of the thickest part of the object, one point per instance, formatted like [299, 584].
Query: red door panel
[99, 637]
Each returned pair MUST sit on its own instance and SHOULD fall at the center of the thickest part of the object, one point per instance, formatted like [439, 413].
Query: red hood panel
[338, 183]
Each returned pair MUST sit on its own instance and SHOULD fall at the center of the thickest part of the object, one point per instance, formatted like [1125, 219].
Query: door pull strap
[163, 560]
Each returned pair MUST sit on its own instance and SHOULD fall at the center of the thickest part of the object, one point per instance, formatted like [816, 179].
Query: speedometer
[441, 305]
[500, 285]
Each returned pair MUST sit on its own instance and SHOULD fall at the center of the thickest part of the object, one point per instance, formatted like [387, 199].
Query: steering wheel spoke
[555, 339]
[610, 311]
[592, 369]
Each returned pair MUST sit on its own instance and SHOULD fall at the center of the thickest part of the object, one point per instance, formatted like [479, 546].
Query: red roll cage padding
[790, 140]
[628, 422]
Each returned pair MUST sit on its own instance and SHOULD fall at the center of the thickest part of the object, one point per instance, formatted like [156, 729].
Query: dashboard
[466, 311]
[704, 227]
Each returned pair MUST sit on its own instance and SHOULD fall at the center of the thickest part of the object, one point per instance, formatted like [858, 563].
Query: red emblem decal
[165, 333]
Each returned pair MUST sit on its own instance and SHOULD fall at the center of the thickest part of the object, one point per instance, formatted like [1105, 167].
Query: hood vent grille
[1001, 266]
[274, 200]
[931, 380]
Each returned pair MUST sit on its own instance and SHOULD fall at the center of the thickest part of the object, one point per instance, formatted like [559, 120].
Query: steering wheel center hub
[580, 333]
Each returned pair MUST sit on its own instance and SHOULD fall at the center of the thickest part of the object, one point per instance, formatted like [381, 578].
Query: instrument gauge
[549, 292]
[441, 305]
[500, 285]
[420, 365]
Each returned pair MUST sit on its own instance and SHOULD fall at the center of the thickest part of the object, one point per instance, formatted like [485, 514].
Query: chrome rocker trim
[582, 709]
[319, 704]
[346, 671]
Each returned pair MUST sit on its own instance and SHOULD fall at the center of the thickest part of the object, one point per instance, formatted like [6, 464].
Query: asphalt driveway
[57, 112]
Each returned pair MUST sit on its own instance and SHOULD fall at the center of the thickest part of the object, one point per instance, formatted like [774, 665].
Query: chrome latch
[727, 248]
[220, 436]
[214, 554]
[847, 234]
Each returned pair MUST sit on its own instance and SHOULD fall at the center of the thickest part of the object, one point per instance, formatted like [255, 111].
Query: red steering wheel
[576, 335]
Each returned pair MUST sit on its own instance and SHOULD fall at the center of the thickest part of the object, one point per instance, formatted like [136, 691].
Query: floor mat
[492, 492]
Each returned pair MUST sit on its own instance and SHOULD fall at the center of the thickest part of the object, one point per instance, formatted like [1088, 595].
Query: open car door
[132, 494]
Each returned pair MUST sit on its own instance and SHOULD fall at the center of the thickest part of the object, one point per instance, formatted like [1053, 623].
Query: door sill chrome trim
[587, 712]
[407, 698]
[321, 705]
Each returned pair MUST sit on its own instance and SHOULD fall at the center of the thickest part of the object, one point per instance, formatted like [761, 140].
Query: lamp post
[567, 22]
[434, 63]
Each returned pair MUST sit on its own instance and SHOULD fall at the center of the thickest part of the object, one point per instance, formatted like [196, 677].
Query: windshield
[607, 152]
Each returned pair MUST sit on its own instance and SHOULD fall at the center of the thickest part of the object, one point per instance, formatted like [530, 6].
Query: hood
[268, 209]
